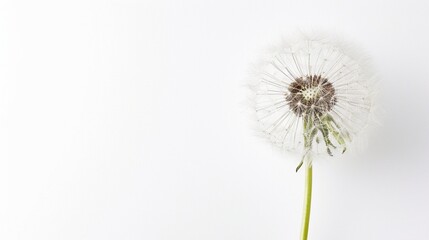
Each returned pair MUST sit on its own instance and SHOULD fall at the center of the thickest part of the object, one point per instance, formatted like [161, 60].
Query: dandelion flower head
[313, 94]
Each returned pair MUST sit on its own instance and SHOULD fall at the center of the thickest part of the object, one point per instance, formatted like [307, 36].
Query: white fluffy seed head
[319, 80]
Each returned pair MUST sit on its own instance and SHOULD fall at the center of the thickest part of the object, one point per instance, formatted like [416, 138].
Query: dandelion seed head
[312, 93]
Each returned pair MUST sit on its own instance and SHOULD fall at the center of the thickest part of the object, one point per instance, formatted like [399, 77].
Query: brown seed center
[311, 95]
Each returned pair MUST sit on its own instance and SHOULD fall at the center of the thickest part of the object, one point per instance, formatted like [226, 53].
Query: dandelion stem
[307, 201]
[309, 134]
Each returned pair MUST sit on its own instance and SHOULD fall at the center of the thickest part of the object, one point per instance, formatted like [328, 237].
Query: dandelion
[312, 95]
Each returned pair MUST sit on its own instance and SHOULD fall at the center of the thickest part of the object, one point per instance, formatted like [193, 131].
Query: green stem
[307, 201]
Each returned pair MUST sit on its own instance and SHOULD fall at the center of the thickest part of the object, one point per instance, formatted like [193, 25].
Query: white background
[124, 120]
